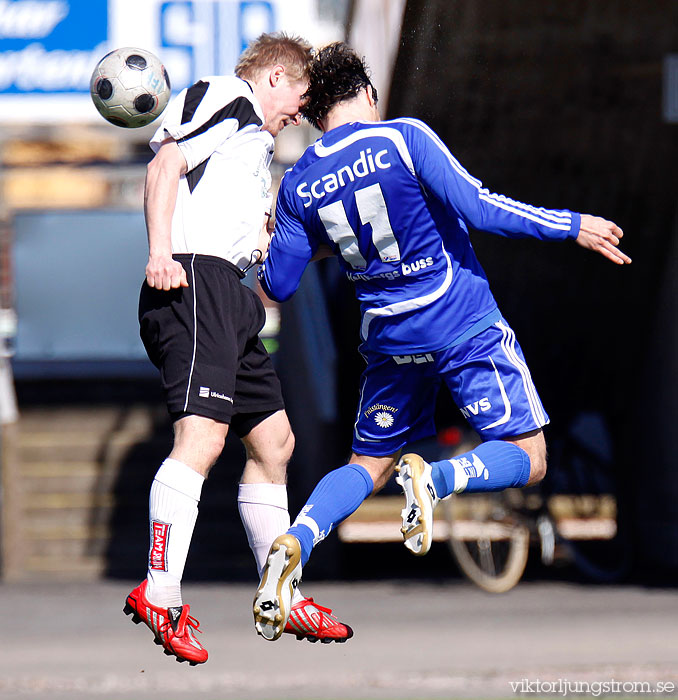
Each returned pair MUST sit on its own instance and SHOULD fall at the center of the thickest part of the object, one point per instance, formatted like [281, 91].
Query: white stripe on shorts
[507, 403]
[195, 334]
[508, 342]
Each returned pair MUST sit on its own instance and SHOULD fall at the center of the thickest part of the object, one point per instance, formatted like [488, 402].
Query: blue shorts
[486, 375]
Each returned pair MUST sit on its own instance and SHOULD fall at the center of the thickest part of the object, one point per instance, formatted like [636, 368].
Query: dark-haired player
[394, 206]
[206, 198]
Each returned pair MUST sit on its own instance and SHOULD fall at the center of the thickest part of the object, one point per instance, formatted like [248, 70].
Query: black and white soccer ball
[130, 87]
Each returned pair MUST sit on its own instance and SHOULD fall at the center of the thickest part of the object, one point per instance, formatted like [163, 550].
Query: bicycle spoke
[486, 558]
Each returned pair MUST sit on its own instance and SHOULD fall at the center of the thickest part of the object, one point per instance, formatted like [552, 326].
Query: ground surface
[413, 640]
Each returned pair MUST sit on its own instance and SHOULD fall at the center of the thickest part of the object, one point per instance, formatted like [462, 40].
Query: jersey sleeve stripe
[193, 98]
[240, 108]
[561, 217]
[526, 214]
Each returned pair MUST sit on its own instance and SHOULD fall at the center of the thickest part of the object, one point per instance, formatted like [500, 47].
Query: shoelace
[188, 622]
[324, 612]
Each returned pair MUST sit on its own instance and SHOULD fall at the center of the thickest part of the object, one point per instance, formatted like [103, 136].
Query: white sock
[173, 510]
[263, 511]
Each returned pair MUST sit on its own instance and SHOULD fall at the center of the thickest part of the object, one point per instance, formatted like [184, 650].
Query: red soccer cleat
[173, 627]
[311, 621]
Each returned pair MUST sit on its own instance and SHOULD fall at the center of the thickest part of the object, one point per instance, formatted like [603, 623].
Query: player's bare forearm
[602, 236]
[162, 180]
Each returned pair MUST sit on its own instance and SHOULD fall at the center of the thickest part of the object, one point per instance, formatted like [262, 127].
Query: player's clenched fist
[165, 273]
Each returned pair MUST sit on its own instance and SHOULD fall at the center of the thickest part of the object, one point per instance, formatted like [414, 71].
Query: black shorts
[204, 340]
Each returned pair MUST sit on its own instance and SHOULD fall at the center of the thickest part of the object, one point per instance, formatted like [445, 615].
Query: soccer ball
[130, 87]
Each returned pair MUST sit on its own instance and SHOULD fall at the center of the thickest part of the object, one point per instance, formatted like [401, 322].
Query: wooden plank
[69, 500]
[50, 518]
[13, 547]
[67, 551]
[68, 531]
[56, 468]
[89, 483]
[41, 568]
[44, 447]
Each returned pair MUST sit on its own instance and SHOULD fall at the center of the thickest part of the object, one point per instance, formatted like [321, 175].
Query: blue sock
[493, 466]
[337, 495]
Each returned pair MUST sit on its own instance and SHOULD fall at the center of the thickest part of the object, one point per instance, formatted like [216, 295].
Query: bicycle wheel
[488, 539]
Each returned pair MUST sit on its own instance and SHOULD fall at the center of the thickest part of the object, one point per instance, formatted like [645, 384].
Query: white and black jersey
[222, 199]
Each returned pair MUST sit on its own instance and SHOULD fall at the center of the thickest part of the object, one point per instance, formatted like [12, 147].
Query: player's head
[337, 75]
[292, 52]
[277, 67]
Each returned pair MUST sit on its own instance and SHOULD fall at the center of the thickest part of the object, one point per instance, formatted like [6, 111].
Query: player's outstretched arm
[596, 233]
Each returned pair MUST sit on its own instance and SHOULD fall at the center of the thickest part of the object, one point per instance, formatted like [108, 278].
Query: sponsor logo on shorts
[480, 406]
[206, 393]
[380, 407]
[383, 419]
[157, 560]
[383, 414]
[417, 359]
[223, 397]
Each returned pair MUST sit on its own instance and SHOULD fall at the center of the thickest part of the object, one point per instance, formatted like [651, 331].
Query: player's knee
[534, 444]
[383, 476]
[286, 448]
[207, 451]
[214, 446]
[380, 469]
[198, 442]
[272, 461]
[279, 450]
[537, 468]
[536, 449]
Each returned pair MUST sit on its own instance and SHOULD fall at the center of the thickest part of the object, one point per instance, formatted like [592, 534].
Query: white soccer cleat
[414, 476]
[279, 579]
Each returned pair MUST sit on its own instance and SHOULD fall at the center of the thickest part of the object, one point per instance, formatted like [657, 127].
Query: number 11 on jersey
[372, 210]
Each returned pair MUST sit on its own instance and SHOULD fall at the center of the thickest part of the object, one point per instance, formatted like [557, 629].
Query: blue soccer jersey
[395, 207]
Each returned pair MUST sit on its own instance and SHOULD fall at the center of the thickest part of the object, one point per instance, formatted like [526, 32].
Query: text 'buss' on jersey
[405, 269]
[362, 167]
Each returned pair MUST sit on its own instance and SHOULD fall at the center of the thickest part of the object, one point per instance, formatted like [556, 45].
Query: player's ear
[276, 74]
